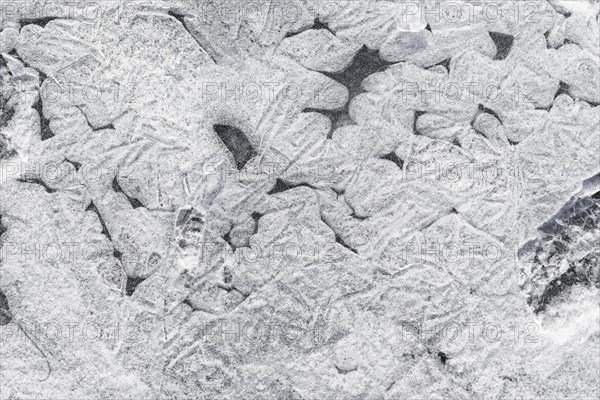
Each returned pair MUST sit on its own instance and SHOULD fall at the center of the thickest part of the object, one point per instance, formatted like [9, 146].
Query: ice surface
[299, 200]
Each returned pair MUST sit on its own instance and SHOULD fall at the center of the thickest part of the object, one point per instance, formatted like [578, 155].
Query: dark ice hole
[36, 21]
[237, 143]
[37, 182]
[75, 164]
[366, 62]
[443, 357]
[394, 158]
[563, 88]
[132, 284]
[503, 44]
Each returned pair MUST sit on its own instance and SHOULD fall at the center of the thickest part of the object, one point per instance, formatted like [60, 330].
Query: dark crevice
[178, 17]
[338, 118]
[227, 238]
[132, 284]
[443, 357]
[546, 36]
[428, 28]
[256, 216]
[16, 55]
[181, 18]
[393, 157]
[596, 195]
[109, 126]
[5, 314]
[45, 131]
[237, 143]
[339, 193]
[417, 115]
[37, 182]
[563, 88]
[117, 254]
[342, 192]
[75, 164]
[483, 109]
[338, 239]
[503, 44]
[13, 53]
[429, 222]
[188, 303]
[445, 63]
[135, 203]
[282, 186]
[42, 22]
[353, 215]
[318, 24]
[592, 103]
[92, 207]
[344, 371]
[512, 142]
